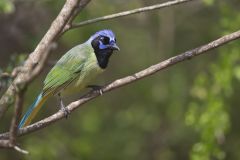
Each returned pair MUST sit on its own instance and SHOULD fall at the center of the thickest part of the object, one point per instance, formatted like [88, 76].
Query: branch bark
[7, 144]
[55, 29]
[129, 12]
[127, 80]
[33, 66]
[16, 117]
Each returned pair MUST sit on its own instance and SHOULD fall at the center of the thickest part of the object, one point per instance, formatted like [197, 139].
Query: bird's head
[103, 43]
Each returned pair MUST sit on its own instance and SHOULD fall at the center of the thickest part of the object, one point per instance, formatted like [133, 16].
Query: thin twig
[127, 80]
[5, 75]
[12, 75]
[130, 12]
[16, 117]
[8, 145]
[78, 9]
[20, 150]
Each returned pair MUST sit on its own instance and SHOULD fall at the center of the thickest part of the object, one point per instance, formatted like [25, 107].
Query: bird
[74, 71]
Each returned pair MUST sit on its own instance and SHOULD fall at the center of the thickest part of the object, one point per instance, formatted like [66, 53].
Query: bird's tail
[32, 111]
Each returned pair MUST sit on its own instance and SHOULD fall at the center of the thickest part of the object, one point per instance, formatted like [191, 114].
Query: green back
[67, 69]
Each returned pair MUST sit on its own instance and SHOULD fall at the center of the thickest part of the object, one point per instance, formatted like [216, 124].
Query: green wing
[67, 69]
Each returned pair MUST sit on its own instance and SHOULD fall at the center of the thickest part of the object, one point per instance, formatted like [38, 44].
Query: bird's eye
[115, 40]
[105, 40]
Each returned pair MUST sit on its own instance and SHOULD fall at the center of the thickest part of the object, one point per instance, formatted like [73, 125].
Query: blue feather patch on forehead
[105, 32]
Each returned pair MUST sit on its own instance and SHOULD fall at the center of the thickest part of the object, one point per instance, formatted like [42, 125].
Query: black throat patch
[102, 55]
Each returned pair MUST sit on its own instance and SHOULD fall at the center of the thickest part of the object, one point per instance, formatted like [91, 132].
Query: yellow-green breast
[88, 73]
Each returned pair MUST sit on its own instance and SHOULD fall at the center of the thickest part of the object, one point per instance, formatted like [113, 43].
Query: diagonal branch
[129, 79]
[130, 12]
[55, 29]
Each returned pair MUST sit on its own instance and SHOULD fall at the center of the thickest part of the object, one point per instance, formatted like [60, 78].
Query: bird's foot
[96, 88]
[66, 112]
[63, 108]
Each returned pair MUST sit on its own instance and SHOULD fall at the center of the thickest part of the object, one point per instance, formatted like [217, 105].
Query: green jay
[74, 71]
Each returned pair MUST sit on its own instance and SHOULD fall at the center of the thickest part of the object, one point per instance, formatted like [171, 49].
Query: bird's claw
[99, 91]
[65, 111]
[63, 108]
[96, 88]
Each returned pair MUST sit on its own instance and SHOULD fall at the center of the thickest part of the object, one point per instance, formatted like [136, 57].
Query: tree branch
[33, 66]
[78, 9]
[55, 29]
[127, 80]
[7, 144]
[41, 63]
[16, 117]
[130, 12]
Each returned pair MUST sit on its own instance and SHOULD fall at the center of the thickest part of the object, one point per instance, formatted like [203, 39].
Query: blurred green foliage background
[188, 111]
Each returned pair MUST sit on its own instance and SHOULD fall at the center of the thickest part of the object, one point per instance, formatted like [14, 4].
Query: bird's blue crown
[105, 32]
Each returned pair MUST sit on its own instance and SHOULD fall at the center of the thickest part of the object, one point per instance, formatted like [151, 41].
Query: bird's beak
[115, 47]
